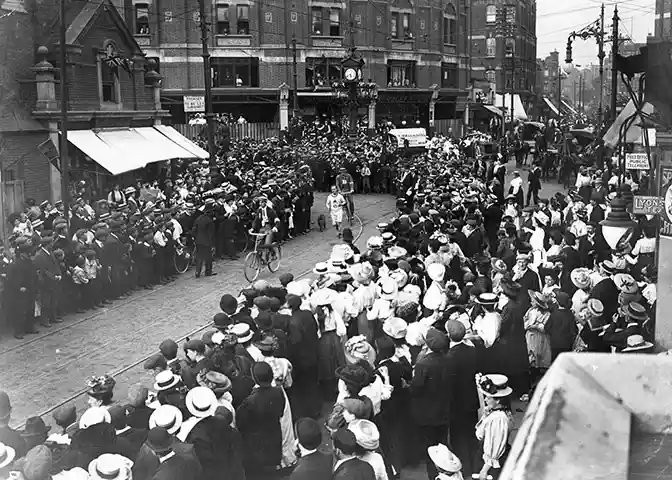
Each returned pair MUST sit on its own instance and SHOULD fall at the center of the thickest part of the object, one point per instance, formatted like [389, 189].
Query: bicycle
[262, 256]
[185, 254]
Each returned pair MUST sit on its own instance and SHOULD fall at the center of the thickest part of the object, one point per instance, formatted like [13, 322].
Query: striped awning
[553, 108]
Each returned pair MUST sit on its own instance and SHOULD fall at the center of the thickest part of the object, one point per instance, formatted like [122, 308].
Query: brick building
[408, 47]
[109, 91]
[663, 20]
[504, 46]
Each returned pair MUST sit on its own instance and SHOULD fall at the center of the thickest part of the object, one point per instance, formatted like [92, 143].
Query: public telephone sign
[637, 161]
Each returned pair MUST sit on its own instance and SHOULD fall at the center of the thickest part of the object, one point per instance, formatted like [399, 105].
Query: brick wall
[22, 160]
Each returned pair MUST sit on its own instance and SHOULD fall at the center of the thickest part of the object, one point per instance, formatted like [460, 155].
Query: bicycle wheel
[252, 266]
[181, 260]
[243, 243]
[274, 258]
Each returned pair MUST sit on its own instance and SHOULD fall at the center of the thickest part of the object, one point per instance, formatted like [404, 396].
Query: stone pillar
[284, 107]
[45, 82]
[372, 118]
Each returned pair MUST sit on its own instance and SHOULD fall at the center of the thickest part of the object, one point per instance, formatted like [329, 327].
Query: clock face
[350, 74]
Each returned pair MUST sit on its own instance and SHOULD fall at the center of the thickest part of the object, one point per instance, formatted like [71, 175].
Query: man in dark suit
[533, 184]
[431, 394]
[303, 352]
[606, 290]
[49, 277]
[203, 232]
[129, 439]
[197, 361]
[163, 457]
[312, 463]
[463, 359]
[348, 466]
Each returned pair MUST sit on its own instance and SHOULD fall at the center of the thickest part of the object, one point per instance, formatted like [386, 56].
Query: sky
[557, 19]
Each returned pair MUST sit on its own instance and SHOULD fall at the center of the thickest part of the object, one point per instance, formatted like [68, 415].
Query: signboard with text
[644, 205]
[194, 103]
[636, 161]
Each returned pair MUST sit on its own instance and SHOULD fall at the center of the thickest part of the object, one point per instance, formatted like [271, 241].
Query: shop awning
[634, 131]
[493, 109]
[553, 108]
[120, 150]
[182, 141]
[518, 110]
[567, 106]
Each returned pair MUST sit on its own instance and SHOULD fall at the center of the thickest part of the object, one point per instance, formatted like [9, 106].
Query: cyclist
[346, 187]
[265, 221]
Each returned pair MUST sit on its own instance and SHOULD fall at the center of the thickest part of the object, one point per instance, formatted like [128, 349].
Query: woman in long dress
[282, 377]
[494, 428]
[538, 341]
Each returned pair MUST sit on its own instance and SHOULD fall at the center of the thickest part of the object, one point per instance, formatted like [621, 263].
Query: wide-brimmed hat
[399, 276]
[201, 402]
[626, 283]
[498, 266]
[357, 348]
[362, 273]
[436, 272]
[634, 310]
[366, 433]
[7, 455]
[635, 343]
[444, 459]
[580, 277]
[215, 381]
[388, 237]
[374, 242]
[165, 380]
[99, 386]
[538, 299]
[322, 297]
[243, 332]
[495, 385]
[395, 327]
[110, 466]
[487, 298]
[388, 289]
[353, 374]
[608, 266]
[397, 252]
[94, 416]
[168, 417]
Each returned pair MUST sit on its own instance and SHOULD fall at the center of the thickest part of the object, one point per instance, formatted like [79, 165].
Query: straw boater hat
[635, 311]
[243, 332]
[444, 459]
[397, 252]
[357, 348]
[94, 416]
[366, 433]
[321, 268]
[595, 307]
[201, 402]
[395, 327]
[165, 380]
[487, 299]
[580, 278]
[388, 289]
[110, 466]
[636, 343]
[168, 417]
[495, 385]
[323, 297]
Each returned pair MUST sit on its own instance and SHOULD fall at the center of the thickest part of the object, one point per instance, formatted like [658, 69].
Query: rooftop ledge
[597, 416]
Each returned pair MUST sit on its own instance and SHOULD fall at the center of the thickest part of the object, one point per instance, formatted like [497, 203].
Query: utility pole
[295, 83]
[513, 84]
[207, 73]
[614, 71]
[600, 56]
[63, 150]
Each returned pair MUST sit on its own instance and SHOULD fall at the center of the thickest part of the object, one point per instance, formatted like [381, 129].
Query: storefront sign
[194, 103]
[637, 161]
[643, 205]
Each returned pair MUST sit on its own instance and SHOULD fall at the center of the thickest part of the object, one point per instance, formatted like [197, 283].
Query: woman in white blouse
[494, 428]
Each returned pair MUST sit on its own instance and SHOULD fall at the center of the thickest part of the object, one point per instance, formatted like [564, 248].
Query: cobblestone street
[43, 371]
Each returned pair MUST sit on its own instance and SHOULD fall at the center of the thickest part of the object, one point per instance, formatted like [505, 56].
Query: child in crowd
[81, 281]
[92, 267]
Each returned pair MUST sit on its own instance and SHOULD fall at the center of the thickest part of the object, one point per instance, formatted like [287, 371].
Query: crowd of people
[418, 341]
